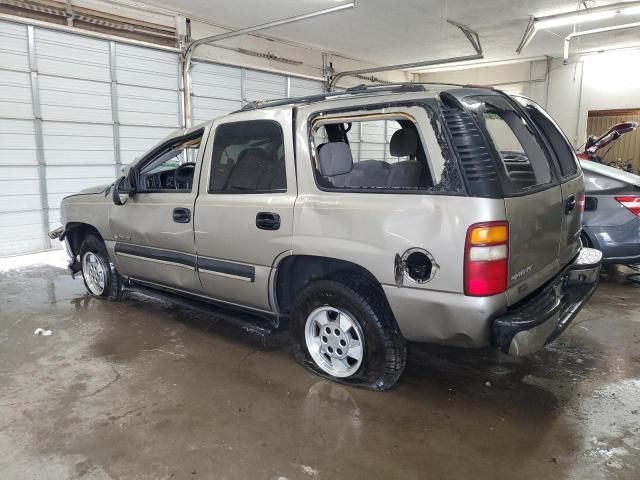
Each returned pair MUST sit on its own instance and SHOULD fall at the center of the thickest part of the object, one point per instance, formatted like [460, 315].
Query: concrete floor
[141, 389]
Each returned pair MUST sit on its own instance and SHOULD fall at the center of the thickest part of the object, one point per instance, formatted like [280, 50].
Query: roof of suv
[380, 89]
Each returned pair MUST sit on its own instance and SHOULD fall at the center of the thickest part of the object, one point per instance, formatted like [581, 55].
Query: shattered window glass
[385, 152]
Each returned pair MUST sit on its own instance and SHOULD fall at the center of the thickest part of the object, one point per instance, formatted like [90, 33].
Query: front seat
[404, 173]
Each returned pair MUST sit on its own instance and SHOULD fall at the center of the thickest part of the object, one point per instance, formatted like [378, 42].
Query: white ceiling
[386, 32]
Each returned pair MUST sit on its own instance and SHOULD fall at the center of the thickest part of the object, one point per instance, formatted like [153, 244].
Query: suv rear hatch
[535, 171]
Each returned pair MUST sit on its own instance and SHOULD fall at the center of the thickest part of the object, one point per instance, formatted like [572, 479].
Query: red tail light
[630, 202]
[486, 259]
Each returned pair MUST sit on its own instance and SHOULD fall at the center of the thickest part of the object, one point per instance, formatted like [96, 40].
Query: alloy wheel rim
[94, 272]
[335, 341]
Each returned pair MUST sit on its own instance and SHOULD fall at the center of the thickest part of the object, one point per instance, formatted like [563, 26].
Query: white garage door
[221, 89]
[73, 110]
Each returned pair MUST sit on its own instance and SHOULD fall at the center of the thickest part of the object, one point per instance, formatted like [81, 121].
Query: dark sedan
[612, 212]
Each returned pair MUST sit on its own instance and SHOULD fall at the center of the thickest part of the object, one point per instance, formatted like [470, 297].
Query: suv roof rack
[373, 88]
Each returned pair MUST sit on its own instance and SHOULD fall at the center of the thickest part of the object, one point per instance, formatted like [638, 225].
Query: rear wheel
[98, 272]
[345, 331]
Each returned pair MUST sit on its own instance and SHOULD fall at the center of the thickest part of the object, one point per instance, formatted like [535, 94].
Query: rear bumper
[541, 318]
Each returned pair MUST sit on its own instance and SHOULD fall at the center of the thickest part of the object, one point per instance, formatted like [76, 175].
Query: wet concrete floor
[141, 389]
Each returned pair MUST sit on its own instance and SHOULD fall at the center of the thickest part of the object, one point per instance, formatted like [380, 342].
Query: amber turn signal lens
[489, 235]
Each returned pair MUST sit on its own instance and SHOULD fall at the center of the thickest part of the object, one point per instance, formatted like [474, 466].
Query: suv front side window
[248, 157]
[172, 169]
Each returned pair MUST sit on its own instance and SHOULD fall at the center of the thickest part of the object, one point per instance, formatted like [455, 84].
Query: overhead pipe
[571, 36]
[402, 66]
[471, 35]
[187, 57]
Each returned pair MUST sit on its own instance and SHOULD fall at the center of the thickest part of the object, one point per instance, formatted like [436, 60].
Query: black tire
[113, 288]
[385, 349]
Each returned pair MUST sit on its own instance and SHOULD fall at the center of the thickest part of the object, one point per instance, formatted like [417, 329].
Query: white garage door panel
[69, 55]
[54, 220]
[146, 67]
[22, 201]
[11, 173]
[148, 106]
[373, 132]
[21, 225]
[216, 81]
[264, 86]
[73, 100]
[21, 237]
[17, 187]
[14, 245]
[17, 142]
[96, 174]
[15, 94]
[134, 140]
[372, 151]
[300, 87]
[13, 46]
[69, 186]
[77, 143]
[26, 219]
[205, 109]
[58, 188]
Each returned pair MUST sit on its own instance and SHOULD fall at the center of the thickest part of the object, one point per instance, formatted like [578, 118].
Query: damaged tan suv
[361, 220]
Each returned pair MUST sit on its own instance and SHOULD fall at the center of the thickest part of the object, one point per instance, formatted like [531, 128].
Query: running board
[256, 324]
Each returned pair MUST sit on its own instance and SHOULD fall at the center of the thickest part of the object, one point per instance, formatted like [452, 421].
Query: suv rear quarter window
[390, 152]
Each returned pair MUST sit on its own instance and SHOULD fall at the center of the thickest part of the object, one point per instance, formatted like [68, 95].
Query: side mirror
[120, 188]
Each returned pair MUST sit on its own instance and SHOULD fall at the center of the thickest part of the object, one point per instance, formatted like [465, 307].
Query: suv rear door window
[522, 156]
[248, 157]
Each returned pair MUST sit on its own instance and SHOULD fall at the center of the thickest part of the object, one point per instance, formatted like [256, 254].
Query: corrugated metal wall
[21, 210]
[75, 109]
[627, 149]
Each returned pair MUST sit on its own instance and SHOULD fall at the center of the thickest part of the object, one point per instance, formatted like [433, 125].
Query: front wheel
[98, 272]
[345, 331]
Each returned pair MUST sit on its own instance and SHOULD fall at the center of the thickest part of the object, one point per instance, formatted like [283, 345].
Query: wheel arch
[76, 232]
[295, 272]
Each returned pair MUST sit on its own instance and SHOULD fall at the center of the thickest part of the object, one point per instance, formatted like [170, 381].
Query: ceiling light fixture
[576, 17]
[562, 20]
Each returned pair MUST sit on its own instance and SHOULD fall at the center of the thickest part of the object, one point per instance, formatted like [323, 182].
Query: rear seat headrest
[404, 143]
[335, 159]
